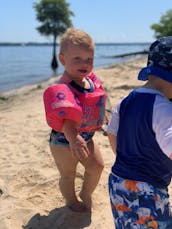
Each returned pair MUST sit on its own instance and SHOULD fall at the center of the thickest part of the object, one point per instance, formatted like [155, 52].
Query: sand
[29, 193]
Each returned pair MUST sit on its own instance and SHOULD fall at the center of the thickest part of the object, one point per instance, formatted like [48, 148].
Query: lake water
[24, 65]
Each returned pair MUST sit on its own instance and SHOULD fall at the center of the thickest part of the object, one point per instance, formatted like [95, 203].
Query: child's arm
[77, 144]
[113, 126]
[112, 140]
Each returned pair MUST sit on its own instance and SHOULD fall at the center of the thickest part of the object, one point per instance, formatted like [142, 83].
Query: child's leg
[93, 168]
[66, 165]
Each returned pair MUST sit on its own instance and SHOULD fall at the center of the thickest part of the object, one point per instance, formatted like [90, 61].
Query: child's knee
[99, 165]
[68, 174]
[95, 168]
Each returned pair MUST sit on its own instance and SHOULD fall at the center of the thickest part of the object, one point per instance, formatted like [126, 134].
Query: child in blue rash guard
[140, 133]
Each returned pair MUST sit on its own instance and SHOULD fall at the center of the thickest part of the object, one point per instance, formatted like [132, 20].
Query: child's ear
[61, 58]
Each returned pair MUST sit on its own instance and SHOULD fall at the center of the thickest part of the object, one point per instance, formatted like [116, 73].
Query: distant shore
[50, 43]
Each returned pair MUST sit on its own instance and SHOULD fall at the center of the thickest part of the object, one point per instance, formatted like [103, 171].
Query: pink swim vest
[62, 101]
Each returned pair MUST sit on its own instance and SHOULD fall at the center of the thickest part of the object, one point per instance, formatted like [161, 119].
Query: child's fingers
[79, 148]
[80, 152]
[84, 152]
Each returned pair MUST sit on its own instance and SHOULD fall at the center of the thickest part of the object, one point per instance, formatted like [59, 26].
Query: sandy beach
[29, 193]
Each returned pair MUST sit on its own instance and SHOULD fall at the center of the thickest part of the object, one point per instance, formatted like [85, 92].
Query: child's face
[77, 61]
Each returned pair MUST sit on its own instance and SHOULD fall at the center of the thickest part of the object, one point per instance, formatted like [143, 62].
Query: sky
[105, 20]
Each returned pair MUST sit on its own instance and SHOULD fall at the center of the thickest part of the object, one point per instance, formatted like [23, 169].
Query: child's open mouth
[83, 71]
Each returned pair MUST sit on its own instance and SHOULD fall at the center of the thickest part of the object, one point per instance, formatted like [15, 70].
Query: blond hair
[76, 37]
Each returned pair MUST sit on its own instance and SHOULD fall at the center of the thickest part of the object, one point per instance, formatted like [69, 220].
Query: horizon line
[51, 43]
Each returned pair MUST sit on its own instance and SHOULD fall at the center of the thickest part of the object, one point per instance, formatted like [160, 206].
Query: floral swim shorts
[138, 205]
[58, 138]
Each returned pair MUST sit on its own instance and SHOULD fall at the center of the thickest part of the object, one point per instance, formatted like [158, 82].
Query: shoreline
[4, 95]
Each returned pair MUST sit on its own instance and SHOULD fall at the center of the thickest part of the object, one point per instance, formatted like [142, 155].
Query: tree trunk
[54, 63]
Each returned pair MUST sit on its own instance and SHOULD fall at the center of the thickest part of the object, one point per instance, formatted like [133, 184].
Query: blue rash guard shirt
[139, 156]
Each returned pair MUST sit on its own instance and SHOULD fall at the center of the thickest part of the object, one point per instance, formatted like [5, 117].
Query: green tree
[164, 28]
[54, 16]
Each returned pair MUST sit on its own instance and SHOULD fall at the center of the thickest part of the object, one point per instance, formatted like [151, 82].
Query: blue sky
[104, 20]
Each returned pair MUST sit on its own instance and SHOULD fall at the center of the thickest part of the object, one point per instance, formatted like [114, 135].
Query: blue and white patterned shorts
[139, 205]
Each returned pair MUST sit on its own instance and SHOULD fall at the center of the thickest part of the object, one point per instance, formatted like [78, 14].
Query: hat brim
[156, 71]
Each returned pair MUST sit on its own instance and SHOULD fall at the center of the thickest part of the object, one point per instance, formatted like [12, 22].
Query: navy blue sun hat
[159, 60]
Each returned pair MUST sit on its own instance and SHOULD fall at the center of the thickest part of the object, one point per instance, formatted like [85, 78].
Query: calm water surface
[24, 65]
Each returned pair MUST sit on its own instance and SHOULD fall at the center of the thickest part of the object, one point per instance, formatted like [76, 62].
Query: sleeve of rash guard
[162, 124]
[114, 121]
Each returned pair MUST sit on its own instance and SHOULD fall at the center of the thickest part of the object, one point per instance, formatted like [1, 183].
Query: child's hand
[79, 147]
[77, 144]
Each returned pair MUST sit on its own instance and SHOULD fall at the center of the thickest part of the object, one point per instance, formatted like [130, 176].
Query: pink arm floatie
[60, 104]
